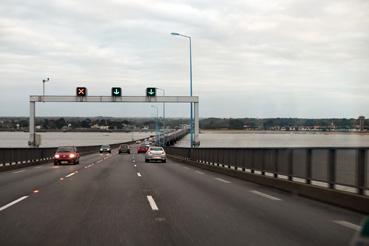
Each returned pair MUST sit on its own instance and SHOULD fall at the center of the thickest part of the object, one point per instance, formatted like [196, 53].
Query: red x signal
[81, 91]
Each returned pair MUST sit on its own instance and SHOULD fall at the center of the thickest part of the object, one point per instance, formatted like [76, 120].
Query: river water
[208, 139]
[278, 139]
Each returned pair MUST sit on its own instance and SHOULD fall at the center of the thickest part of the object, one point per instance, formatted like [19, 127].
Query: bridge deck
[107, 200]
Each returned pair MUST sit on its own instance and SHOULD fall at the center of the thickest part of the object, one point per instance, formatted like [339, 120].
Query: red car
[142, 148]
[66, 155]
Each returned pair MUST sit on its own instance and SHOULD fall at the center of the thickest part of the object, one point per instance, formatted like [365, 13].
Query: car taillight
[56, 156]
[72, 155]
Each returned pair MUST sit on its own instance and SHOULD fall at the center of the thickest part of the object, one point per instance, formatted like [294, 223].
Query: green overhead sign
[151, 92]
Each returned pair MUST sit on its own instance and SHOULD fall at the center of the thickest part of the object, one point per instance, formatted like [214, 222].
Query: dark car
[105, 148]
[124, 148]
[142, 148]
[66, 155]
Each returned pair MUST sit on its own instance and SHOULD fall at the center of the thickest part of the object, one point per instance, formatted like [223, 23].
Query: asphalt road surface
[109, 200]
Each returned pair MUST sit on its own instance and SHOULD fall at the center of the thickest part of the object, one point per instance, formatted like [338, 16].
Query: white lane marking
[223, 180]
[187, 167]
[20, 171]
[152, 203]
[37, 167]
[265, 195]
[139, 175]
[348, 225]
[199, 172]
[13, 202]
[135, 165]
[69, 175]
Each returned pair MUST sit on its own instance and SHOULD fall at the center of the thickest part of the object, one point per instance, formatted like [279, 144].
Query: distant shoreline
[229, 131]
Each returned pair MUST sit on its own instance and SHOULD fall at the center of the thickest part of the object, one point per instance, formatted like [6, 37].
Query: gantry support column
[32, 134]
[197, 125]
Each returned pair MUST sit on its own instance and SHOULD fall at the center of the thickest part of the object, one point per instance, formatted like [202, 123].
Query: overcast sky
[251, 58]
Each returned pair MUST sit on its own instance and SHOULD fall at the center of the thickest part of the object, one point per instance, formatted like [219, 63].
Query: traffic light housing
[151, 92]
[81, 91]
[116, 92]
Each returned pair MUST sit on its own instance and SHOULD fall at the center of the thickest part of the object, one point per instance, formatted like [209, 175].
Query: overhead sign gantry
[116, 97]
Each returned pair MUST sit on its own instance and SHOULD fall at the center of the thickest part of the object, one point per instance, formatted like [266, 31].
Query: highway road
[109, 200]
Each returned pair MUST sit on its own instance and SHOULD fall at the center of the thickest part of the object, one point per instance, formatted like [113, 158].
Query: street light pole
[191, 105]
[43, 85]
[156, 124]
[163, 107]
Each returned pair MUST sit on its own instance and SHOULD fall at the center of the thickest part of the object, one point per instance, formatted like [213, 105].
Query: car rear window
[157, 149]
[65, 149]
[105, 146]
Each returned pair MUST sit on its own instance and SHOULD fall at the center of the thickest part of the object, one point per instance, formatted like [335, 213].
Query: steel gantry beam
[110, 99]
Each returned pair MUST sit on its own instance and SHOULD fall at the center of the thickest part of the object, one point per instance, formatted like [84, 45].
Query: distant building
[361, 123]
[96, 126]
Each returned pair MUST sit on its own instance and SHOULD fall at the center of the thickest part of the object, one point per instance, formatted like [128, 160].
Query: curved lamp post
[191, 106]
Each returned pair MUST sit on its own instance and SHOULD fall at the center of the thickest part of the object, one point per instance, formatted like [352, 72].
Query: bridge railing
[172, 137]
[335, 168]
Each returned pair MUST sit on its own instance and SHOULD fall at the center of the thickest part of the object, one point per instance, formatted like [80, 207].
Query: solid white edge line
[139, 174]
[266, 195]
[152, 203]
[199, 172]
[69, 175]
[223, 180]
[13, 202]
[348, 225]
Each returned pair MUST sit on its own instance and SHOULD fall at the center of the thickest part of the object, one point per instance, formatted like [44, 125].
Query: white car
[155, 153]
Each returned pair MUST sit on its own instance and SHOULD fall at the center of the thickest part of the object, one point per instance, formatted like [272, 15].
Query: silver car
[155, 153]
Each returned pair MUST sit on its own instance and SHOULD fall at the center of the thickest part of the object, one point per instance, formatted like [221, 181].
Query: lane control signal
[116, 92]
[151, 92]
[81, 91]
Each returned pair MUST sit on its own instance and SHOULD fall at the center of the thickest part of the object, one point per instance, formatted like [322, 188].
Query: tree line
[111, 123]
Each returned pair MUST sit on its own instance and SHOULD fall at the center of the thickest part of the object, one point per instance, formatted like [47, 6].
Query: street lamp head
[175, 33]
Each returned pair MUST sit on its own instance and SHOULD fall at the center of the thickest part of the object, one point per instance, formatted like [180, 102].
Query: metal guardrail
[331, 167]
[10, 157]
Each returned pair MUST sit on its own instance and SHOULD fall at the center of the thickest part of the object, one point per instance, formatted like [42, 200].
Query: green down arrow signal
[151, 92]
[116, 91]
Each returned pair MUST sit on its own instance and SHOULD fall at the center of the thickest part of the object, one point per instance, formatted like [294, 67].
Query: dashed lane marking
[266, 195]
[70, 175]
[152, 203]
[20, 171]
[348, 225]
[139, 175]
[13, 202]
[223, 180]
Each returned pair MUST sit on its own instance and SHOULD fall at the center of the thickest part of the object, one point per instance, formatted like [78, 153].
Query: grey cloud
[285, 50]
